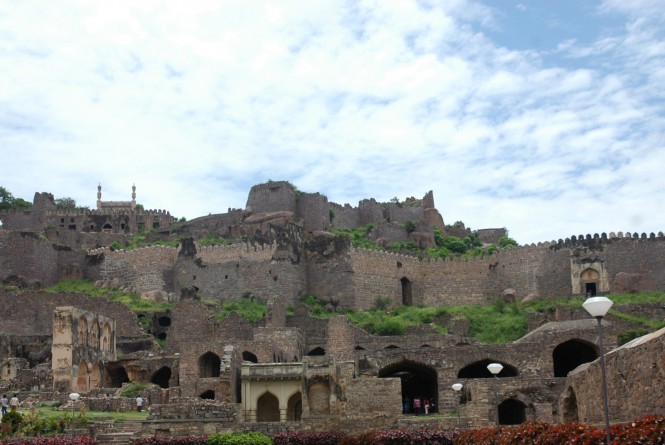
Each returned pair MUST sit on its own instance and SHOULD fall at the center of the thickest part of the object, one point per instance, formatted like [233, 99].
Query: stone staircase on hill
[124, 434]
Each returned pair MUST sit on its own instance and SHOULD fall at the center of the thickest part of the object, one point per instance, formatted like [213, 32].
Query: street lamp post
[74, 396]
[495, 369]
[457, 387]
[597, 307]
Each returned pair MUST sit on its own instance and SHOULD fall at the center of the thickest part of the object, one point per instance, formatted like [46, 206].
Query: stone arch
[418, 380]
[93, 339]
[407, 291]
[317, 351]
[161, 377]
[82, 377]
[478, 370]
[571, 354]
[319, 398]
[117, 377]
[590, 281]
[96, 376]
[294, 408]
[569, 411]
[512, 412]
[207, 395]
[82, 331]
[107, 341]
[209, 365]
[267, 408]
[164, 321]
[107, 228]
[249, 357]
[391, 347]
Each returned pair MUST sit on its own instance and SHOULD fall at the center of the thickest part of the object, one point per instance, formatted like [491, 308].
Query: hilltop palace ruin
[292, 371]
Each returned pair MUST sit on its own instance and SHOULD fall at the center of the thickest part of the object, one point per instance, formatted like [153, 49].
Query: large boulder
[632, 283]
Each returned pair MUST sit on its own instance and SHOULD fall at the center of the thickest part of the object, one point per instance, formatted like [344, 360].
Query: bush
[252, 438]
[425, 437]
[13, 419]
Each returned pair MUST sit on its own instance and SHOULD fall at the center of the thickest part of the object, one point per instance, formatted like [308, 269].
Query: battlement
[106, 211]
[589, 240]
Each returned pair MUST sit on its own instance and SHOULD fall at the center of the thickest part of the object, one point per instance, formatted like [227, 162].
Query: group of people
[418, 405]
[8, 403]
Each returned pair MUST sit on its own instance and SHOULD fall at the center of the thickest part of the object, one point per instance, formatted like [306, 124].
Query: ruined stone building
[298, 371]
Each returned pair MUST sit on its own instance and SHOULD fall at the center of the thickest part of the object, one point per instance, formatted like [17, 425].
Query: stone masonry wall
[313, 210]
[272, 197]
[26, 254]
[141, 270]
[633, 391]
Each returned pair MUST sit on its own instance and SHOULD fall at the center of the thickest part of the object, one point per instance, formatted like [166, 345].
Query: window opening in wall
[590, 289]
[407, 297]
[209, 365]
[317, 351]
[208, 395]
[249, 357]
[164, 321]
[107, 228]
[72, 227]
[512, 412]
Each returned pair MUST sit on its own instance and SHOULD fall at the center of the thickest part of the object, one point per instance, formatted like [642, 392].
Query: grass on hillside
[129, 299]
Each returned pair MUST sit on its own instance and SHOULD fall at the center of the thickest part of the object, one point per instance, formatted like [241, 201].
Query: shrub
[252, 438]
[13, 419]
[133, 389]
[425, 437]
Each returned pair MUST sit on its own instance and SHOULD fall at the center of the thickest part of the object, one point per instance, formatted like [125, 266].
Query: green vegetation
[247, 307]
[252, 438]
[132, 390]
[497, 323]
[8, 202]
[130, 299]
[210, 240]
[358, 236]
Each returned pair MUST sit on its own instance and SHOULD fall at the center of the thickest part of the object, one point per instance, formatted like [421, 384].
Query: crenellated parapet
[591, 241]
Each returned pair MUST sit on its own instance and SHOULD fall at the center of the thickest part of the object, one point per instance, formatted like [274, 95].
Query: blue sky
[543, 117]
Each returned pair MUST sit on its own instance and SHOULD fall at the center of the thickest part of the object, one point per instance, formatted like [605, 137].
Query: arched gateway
[418, 380]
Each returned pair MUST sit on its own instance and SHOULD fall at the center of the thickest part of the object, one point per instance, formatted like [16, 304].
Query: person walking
[13, 403]
[5, 404]
[139, 403]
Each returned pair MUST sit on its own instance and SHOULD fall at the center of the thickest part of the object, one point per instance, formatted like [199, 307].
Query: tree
[65, 204]
[8, 202]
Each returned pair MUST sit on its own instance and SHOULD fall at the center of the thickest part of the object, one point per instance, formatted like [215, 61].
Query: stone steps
[124, 434]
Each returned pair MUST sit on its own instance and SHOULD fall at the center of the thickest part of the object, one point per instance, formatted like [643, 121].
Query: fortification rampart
[272, 197]
[140, 270]
[219, 254]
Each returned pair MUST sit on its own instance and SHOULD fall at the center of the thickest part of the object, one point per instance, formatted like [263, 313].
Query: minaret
[99, 196]
[133, 196]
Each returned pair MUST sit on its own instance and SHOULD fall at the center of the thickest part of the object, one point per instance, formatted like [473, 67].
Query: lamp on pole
[495, 369]
[597, 307]
[457, 387]
[74, 396]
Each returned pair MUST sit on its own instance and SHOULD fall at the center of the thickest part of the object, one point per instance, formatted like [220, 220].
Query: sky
[543, 117]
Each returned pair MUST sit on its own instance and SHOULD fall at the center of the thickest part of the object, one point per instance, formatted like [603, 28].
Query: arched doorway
[82, 377]
[571, 354]
[512, 412]
[116, 376]
[267, 408]
[417, 380]
[569, 413]
[96, 376]
[161, 377]
[407, 297]
[83, 331]
[478, 370]
[294, 408]
[249, 357]
[209, 365]
[590, 279]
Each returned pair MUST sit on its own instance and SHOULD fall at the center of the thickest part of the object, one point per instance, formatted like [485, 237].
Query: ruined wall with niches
[272, 197]
[370, 212]
[313, 210]
[140, 270]
[630, 388]
[344, 216]
[401, 214]
[328, 268]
